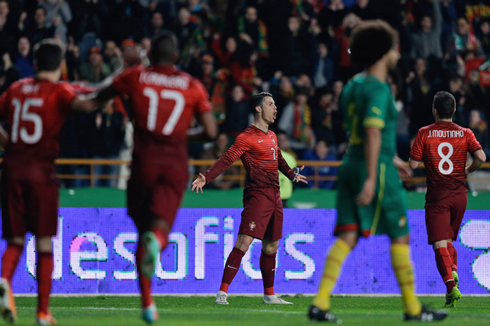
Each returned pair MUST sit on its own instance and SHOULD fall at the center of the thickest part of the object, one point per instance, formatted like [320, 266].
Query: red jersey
[35, 110]
[443, 146]
[164, 101]
[260, 155]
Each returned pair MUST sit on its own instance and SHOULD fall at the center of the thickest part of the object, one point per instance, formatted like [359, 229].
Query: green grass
[249, 311]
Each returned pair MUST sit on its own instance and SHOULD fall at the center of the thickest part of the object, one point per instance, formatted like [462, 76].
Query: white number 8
[445, 158]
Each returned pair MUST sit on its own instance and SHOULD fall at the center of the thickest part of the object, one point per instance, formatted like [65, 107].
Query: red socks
[145, 283]
[268, 269]
[44, 271]
[231, 268]
[444, 264]
[454, 254]
[10, 260]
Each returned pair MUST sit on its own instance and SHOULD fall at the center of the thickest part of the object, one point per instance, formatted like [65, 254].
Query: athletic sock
[335, 259]
[268, 270]
[10, 260]
[162, 236]
[400, 259]
[444, 264]
[454, 255]
[231, 268]
[44, 271]
[144, 282]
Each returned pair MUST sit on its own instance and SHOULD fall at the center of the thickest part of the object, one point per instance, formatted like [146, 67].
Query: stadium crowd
[295, 49]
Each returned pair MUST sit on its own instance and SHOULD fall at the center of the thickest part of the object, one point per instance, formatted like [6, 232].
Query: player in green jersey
[371, 199]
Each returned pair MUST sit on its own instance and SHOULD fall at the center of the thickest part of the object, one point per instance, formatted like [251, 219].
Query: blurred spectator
[155, 25]
[39, 30]
[484, 36]
[282, 90]
[463, 40]
[342, 34]
[296, 123]
[403, 124]
[449, 16]
[427, 40]
[421, 90]
[331, 16]
[23, 59]
[480, 129]
[243, 70]
[7, 28]
[95, 70]
[112, 56]
[283, 143]
[215, 83]
[327, 124]
[214, 153]
[253, 31]
[72, 58]
[190, 38]
[363, 9]
[8, 73]
[58, 14]
[106, 129]
[237, 112]
[456, 87]
[226, 52]
[324, 67]
[286, 185]
[298, 49]
[320, 153]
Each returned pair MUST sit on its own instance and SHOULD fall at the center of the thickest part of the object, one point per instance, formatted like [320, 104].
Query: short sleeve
[202, 98]
[473, 144]
[65, 95]
[417, 151]
[125, 81]
[377, 105]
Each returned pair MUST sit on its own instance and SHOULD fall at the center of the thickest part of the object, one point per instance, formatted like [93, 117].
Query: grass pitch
[246, 311]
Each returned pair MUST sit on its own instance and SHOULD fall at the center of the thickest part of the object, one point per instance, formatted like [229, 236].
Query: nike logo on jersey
[231, 267]
[261, 141]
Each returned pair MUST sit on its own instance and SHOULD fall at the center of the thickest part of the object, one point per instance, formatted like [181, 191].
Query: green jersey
[367, 102]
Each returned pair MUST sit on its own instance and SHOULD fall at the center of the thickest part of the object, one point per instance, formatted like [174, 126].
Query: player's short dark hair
[164, 48]
[370, 41]
[48, 54]
[258, 100]
[444, 103]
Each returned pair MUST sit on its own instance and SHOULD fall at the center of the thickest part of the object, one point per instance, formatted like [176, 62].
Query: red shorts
[262, 214]
[29, 207]
[155, 191]
[443, 219]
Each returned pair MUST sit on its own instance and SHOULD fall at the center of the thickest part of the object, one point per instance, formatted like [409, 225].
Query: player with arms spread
[443, 147]
[35, 109]
[164, 101]
[371, 199]
[263, 213]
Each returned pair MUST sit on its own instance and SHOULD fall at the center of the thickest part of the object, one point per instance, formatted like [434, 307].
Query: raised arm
[239, 147]
[436, 7]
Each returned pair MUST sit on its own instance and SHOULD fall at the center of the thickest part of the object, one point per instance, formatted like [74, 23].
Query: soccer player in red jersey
[443, 147]
[262, 214]
[35, 109]
[164, 101]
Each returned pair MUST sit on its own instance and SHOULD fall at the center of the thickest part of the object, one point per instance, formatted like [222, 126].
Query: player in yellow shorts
[371, 199]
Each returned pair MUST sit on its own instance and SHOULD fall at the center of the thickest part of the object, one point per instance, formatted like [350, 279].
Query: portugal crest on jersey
[252, 226]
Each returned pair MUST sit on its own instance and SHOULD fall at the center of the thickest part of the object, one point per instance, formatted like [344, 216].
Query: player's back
[164, 101]
[35, 110]
[443, 147]
[367, 102]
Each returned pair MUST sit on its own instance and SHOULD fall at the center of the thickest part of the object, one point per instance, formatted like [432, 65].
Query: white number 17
[153, 109]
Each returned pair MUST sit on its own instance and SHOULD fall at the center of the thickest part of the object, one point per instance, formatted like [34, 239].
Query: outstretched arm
[291, 173]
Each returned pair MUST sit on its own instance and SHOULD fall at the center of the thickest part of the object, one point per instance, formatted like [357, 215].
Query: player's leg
[270, 244]
[13, 230]
[232, 266]
[458, 208]
[43, 275]
[339, 251]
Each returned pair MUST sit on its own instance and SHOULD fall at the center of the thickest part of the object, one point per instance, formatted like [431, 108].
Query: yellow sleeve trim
[374, 122]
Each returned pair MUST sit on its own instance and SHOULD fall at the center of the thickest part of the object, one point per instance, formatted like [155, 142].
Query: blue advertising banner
[94, 253]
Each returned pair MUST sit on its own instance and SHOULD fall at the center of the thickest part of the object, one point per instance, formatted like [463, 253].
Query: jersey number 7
[153, 109]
